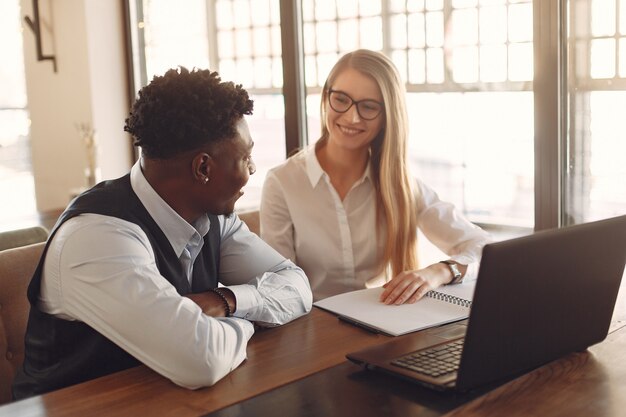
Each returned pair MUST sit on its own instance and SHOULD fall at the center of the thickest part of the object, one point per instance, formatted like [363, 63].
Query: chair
[22, 237]
[251, 219]
[17, 266]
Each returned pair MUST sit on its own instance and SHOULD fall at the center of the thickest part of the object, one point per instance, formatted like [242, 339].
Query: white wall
[89, 87]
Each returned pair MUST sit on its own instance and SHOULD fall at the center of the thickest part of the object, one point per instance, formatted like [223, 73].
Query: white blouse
[335, 241]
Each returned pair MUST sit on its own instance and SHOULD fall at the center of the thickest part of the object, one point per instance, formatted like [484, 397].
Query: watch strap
[457, 277]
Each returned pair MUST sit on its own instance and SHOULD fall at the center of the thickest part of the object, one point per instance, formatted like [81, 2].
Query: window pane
[263, 72]
[434, 4]
[347, 8]
[399, 59]
[398, 29]
[241, 12]
[310, 71]
[493, 24]
[595, 178]
[493, 63]
[417, 66]
[268, 133]
[277, 45]
[603, 58]
[622, 17]
[16, 178]
[415, 5]
[602, 17]
[521, 22]
[371, 29]
[308, 30]
[324, 63]
[167, 27]
[594, 185]
[465, 64]
[347, 40]
[226, 43]
[434, 65]
[223, 9]
[622, 57]
[262, 41]
[325, 9]
[326, 36]
[464, 27]
[434, 29]
[260, 12]
[455, 141]
[369, 7]
[243, 43]
[521, 62]
[308, 10]
[416, 30]
[464, 3]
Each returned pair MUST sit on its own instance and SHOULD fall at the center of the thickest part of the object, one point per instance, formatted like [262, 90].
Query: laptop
[537, 298]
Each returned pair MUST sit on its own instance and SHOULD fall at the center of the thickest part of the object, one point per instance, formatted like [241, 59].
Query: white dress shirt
[336, 241]
[101, 270]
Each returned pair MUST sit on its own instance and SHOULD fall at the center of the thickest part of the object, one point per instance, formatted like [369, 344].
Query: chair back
[22, 237]
[17, 266]
[251, 219]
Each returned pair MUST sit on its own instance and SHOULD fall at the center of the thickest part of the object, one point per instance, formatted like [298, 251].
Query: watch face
[456, 274]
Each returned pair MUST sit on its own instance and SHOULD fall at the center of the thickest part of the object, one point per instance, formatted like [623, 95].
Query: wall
[89, 87]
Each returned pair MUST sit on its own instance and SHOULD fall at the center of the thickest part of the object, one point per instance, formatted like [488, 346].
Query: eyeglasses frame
[355, 103]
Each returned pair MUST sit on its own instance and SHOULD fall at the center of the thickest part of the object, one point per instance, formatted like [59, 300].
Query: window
[238, 38]
[468, 68]
[491, 128]
[16, 178]
[595, 172]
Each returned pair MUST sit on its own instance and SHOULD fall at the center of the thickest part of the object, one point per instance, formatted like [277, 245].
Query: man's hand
[212, 304]
[410, 286]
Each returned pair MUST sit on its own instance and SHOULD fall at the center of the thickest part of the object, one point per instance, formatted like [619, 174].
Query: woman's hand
[410, 286]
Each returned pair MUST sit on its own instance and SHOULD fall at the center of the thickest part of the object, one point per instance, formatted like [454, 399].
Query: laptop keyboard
[436, 361]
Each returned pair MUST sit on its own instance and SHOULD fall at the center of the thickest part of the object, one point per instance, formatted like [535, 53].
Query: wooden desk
[300, 369]
[275, 357]
[591, 383]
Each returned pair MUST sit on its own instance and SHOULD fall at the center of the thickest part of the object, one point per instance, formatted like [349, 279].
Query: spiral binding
[453, 299]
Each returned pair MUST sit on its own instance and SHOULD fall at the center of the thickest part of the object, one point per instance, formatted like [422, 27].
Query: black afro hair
[184, 110]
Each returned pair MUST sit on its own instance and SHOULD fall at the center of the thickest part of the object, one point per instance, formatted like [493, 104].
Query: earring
[206, 180]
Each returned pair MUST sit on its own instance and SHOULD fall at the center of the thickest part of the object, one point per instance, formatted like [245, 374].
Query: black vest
[59, 353]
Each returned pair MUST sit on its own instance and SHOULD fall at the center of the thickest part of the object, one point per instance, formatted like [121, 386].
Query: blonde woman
[346, 210]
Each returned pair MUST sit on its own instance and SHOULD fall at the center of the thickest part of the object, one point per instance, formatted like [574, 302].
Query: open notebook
[362, 308]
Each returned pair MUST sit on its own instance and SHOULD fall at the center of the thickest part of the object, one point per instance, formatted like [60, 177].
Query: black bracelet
[224, 300]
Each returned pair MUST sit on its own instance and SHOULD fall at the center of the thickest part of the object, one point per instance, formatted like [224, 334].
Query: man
[130, 273]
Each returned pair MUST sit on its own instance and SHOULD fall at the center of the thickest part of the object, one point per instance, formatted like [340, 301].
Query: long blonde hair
[395, 191]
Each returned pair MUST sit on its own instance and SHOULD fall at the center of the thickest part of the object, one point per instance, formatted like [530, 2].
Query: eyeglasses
[341, 103]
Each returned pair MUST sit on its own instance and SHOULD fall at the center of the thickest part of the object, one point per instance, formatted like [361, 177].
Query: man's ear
[201, 166]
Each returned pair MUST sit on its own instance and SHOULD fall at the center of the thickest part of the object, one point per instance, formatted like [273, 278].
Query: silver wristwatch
[457, 277]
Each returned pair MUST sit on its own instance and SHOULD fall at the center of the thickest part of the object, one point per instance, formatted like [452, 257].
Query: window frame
[549, 89]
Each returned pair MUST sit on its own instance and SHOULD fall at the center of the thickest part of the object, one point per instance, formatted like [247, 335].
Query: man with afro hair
[154, 267]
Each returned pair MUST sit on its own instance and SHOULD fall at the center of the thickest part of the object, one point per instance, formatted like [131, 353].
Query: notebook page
[363, 307]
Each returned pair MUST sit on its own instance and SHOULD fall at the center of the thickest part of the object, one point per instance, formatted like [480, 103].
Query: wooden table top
[275, 357]
[305, 361]
[590, 383]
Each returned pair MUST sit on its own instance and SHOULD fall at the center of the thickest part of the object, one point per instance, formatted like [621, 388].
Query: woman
[346, 210]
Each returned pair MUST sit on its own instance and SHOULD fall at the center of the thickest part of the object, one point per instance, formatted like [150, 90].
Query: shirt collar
[315, 172]
[313, 168]
[176, 229]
